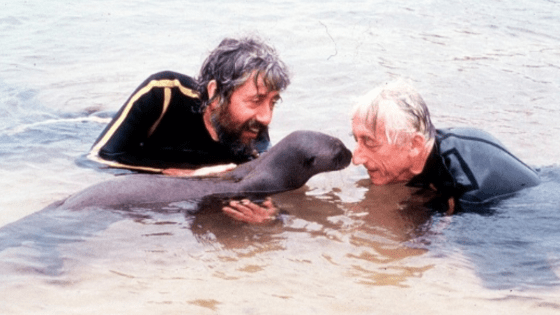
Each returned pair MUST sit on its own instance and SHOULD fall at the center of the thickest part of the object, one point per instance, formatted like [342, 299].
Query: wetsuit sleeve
[120, 144]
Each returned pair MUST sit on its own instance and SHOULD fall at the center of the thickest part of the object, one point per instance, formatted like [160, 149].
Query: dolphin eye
[309, 161]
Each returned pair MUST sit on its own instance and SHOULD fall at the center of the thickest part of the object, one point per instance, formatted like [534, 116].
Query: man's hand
[249, 212]
[204, 171]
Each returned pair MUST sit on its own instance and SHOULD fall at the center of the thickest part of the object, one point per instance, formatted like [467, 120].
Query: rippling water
[341, 246]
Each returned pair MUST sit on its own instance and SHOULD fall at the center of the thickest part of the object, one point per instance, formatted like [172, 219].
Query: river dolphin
[35, 241]
[286, 166]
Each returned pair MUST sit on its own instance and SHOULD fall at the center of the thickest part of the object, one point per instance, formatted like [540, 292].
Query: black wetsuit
[473, 167]
[160, 126]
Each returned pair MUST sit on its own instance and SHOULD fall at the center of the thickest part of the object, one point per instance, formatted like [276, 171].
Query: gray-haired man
[396, 142]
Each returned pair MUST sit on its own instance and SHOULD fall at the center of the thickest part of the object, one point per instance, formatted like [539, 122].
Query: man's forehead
[262, 88]
[362, 126]
[255, 86]
[369, 123]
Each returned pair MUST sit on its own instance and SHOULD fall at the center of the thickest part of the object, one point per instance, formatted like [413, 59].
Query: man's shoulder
[473, 145]
[167, 75]
[467, 137]
[481, 166]
[467, 134]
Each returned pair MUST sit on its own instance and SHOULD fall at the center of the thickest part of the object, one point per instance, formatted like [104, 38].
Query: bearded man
[176, 125]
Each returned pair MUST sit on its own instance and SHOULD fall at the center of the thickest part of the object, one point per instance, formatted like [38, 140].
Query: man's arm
[123, 137]
[121, 144]
[203, 171]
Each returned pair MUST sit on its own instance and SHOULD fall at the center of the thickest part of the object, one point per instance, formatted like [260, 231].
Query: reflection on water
[364, 241]
[390, 238]
[514, 245]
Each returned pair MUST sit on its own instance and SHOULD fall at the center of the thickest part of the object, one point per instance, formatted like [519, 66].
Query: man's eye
[255, 102]
[369, 142]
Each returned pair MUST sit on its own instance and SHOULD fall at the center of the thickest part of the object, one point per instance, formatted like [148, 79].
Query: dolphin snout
[343, 157]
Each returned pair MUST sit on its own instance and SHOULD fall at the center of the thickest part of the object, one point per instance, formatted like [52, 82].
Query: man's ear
[417, 153]
[417, 144]
[211, 88]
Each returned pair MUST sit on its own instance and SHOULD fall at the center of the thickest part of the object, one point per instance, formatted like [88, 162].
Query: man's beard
[229, 134]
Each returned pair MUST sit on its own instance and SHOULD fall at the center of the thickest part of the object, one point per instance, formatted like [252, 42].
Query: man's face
[386, 163]
[247, 114]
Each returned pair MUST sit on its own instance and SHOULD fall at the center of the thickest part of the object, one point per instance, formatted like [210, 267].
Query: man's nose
[264, 114]
[358, 157]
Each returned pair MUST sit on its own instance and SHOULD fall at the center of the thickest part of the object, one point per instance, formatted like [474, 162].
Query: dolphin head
[294, 160]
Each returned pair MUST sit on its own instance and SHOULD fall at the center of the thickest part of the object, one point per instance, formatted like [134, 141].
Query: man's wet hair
[232, 63]
[402, 109]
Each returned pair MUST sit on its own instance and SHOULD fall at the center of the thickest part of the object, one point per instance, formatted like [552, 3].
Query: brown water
[341, 246]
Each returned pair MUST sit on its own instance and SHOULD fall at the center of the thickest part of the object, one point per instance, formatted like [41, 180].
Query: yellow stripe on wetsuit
[166, 101]
[167, 84]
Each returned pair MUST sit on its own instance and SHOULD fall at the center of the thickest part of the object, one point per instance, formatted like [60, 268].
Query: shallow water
[341, 246]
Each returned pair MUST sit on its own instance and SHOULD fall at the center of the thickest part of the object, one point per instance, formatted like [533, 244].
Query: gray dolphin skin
[286, 166]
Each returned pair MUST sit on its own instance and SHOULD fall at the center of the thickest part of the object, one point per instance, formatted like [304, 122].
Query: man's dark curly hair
[232, 63]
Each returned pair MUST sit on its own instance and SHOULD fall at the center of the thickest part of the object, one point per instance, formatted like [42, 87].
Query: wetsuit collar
[435, 173]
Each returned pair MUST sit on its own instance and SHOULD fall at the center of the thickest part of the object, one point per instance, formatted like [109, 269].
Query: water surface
[341, 246]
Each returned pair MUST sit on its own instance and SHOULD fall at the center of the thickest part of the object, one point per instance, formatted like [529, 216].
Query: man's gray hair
[232, 63]
[402, 109]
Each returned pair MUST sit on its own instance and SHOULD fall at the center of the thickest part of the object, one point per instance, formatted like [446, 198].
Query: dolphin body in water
[286, 166]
